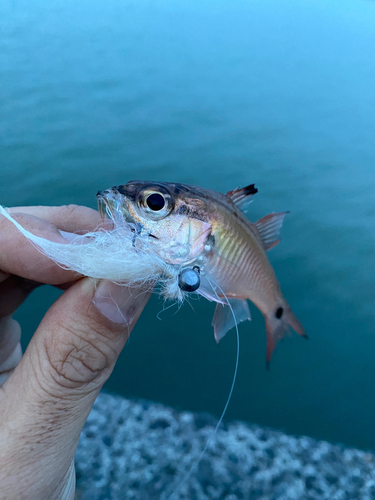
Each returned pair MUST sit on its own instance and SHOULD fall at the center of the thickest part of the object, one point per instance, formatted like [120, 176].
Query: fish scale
[246, 262]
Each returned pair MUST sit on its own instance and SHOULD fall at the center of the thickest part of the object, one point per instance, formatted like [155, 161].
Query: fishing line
[179, 305]
[201, 455]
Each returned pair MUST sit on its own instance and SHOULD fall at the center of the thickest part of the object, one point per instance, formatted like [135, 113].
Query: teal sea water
[219, 94]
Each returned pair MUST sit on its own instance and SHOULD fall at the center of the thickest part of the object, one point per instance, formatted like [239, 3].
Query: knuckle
[70, 211]
[76, 218]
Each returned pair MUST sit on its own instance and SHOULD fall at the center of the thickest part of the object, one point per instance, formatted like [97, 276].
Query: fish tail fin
[277, 323]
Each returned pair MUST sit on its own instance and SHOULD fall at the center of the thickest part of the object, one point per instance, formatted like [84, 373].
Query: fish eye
[155, 201]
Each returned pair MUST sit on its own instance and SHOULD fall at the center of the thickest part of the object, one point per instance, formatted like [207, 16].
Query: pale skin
[47, 393]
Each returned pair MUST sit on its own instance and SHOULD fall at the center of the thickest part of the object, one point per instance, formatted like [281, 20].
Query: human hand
[47, 395]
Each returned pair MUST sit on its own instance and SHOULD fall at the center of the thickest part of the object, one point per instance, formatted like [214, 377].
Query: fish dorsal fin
[223, 318]
[269, 229]
[242, 196]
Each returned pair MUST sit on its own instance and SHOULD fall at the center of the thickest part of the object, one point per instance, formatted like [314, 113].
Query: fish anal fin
[223, 319]
[242, 196]
[269, 229]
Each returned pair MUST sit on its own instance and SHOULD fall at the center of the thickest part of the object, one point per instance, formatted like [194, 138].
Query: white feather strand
[114, 255]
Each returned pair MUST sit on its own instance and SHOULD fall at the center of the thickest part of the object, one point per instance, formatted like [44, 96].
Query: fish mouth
[112, 204]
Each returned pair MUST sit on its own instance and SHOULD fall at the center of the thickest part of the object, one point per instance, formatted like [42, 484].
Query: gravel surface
[142, 450]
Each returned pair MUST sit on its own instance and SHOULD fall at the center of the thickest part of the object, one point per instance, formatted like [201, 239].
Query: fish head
[173, 218]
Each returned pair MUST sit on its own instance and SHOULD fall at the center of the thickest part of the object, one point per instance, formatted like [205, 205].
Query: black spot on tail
[279, 313]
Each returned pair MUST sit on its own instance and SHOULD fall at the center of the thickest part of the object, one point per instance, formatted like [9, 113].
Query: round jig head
[189, 279]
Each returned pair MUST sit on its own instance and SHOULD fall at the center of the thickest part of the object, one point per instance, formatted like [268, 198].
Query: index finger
[69, 218]
[20, 257]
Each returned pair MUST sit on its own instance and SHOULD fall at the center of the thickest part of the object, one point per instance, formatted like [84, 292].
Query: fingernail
[77, 238]
[120, 303]
[68, 236]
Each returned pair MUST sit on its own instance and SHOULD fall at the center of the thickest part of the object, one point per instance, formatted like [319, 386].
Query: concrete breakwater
[142, 450]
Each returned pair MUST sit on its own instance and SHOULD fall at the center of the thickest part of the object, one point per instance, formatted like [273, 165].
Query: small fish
[207, 230]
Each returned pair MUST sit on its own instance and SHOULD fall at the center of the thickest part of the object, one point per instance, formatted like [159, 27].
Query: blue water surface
[219, 94]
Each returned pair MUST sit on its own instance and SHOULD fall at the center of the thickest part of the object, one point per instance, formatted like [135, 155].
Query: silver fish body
[193, 226]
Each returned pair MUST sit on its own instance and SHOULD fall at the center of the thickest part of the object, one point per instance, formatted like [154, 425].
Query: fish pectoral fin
[269, 229]
[242, 196]
[223, 319]
[209, 290]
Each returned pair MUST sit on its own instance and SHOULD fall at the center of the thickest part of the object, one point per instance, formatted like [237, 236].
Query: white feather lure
[109, 255]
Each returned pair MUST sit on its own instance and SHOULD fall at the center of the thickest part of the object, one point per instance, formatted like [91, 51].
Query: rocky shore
[140, 450]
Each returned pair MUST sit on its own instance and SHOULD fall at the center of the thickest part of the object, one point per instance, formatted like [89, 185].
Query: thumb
[45, 402]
